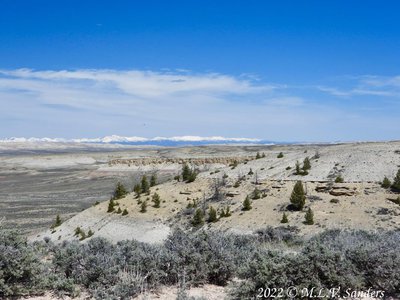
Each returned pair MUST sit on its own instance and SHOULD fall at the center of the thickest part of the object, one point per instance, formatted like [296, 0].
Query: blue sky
[278, 70]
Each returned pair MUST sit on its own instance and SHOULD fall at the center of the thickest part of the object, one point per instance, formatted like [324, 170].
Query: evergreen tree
[258, 156]
[256, 194]
[198, 218]
[250, 172]
[119, 210]
[125, 212]
[145, 188]
[143, 207]
[192, 176]
[298, 197]
[90, 233]
[263, 155]
[306, 164]
[309, 217]
[284, 218]
[153, 180]
[396, 181]
[57, 222]
[280, 155]
[228, 212]
[156, 200]
[119, 191]
[111, 205]
[386, 183]
[212, 215]
[78, 231]
[298, 170]
[246, 204]
[137, 189]
[339, 179]
[185, 172]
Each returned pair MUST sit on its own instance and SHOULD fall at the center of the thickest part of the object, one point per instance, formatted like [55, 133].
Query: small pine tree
[143, 207]
[396, 181]
[57, 222]
[309, 217]
[83, 235]
[137, 189]
[145, 188]
[284, 219]
[119, 210]
[192, 176]
[125, 212]
[306, 164]
[185, 172]
[111, 205]
[228, 212]
[263, 155]
[250, 172]
[298, 197]
[198, 218]
[90, 233]
[280, 155]
[156, 200]
[212, 215]
[153, 180]
[258, 155]
[78, 231]
[298, 170]
[247, 204]
[256, 194]
[120, 191]
[386, 183]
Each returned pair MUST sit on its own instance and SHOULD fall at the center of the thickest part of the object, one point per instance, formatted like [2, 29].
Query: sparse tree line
[350, 259]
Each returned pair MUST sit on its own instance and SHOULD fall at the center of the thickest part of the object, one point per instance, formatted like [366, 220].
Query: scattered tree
[143, 207]
[153, 180]
[256, 194]
[309, 217]
[250, 172]
[137, 189]
[306, 164]
[258, 155]
[145, 187]
[111, 205]
[247, 204]
[120, 191]
[298, 197]
[280, 155]
[212, 215]
[90, 233]
[386, 183]
[298, 170]
[396, 181]
[125, 212]
[284, 218]
[119, 210]
[156, 200]
[198, 218]
[57, 222]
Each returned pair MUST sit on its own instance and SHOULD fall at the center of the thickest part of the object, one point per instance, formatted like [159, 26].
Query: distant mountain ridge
[156, 141]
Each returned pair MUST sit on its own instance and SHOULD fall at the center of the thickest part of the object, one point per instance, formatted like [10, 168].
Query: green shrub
[57, 222]
[339, 179]
[125, 212]
[280, 155]
[212, 215]
[143, 207]
[156, 200]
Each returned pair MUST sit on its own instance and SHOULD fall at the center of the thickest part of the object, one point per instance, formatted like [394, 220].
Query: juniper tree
[153, 180]
[306, 164]
[309, 217]
[280, 155]
[143, 207]
[212, 215]
[145, 188]
[258, 156]
[263, 155]
[137, 189]
[386, 183]
[247, 204]
[256, 194]
[298, 170]
[57, 222]
[111, 205]
[284, 218]
[396, 181]
[250, 172]
[120, 191]
[119, 210]
[156, 200]
[185, 172]
[298, 197]
[90, 233]
[198, 218]
[339, 179]
[125, 212]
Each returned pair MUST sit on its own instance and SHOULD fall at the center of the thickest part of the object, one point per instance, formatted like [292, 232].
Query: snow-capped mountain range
[134, 140]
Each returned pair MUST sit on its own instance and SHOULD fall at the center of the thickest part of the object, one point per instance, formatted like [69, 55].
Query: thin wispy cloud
[92, 103]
